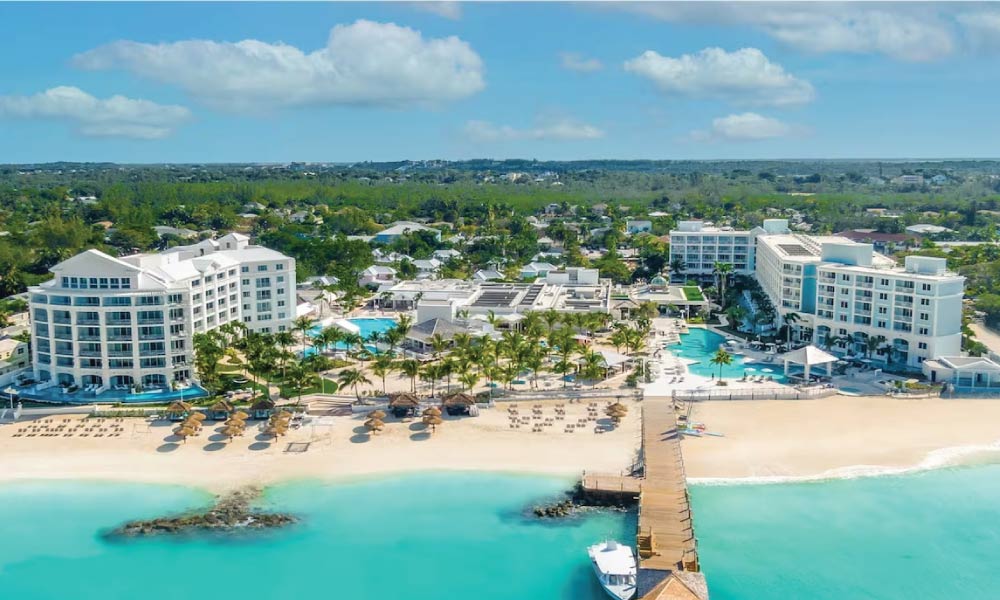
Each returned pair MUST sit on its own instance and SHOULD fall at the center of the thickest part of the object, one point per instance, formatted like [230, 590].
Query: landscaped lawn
[693, 293]
[326, 386]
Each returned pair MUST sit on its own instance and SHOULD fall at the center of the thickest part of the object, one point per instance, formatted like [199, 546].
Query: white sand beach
[839, 436]
[338, 447]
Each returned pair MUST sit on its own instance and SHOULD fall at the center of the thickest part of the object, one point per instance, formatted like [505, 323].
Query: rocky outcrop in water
[578, 501]
[232, 512]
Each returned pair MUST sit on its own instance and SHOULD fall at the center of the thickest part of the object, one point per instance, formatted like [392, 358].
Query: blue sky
[235, 82]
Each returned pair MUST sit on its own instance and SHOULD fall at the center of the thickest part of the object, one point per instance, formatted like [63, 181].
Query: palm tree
[790, 319]
[302, 325]
[404, 324]
[722, 358]
[352, 378]
[410, 368]
[721, 270]
[873, 343]
[736, 314]
[381, 367]
[830, 339]
[469, 379]
[677, 266]
[393, 337]
[328, 337]
[431, 372]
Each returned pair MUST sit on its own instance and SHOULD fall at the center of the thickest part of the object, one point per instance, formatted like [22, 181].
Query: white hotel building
[700, 247]
[844, 289]
[109, 324]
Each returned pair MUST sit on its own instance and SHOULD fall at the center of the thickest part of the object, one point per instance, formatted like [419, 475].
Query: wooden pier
[665, 538]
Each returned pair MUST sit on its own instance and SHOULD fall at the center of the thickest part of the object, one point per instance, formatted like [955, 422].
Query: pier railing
[752, 394]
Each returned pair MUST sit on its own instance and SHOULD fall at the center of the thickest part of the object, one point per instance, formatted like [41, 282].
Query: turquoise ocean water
[432, 536]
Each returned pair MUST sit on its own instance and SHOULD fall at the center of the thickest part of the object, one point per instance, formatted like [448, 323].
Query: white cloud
[982, 29]
[441, 8]
[905, 31]
[363, 64]
[744, 76]
[116, 116]
[745, 127]
[574, 61]
[555, 130]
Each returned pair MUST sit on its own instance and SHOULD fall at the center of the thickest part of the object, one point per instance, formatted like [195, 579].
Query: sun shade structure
[809, 356]
[458, 403]
[403, 403]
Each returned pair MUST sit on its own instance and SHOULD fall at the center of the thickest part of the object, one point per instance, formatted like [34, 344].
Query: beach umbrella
[374, 424]
[184, 432]
[276, 430]
[231, 431]
[616, 407]
[197, 416]
[240, 415]
[432, 412]
[433, 421]
[234, 421]
[194, 424]
[376, 414]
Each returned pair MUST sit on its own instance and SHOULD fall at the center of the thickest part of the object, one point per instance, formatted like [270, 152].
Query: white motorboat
[614, 565]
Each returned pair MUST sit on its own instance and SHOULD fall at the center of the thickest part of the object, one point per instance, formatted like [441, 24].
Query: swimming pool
[701, 345]
[366, 325]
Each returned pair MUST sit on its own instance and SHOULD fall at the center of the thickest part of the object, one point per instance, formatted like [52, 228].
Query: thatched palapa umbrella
[184, 432]
[178, 410]
[433, 421]
[617, 407]
[232, 431]
[432, 412]
[242, 416]
[376, 414]
[374, 425]
[197, 416]
[276, 429]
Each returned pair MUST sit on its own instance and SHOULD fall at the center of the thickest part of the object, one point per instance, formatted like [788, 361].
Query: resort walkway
[665, 537]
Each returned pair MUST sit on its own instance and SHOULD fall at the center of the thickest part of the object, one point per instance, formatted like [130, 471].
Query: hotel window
[281, 279]
[246, 282]
[261, 268]
[232, 272]
[923, 331]
[263, 282]
[196, 282]
[925, 287]
[174, 298]
[244, 269]
[209, 278]
[279, 267]
[176, 329]
[281, 315]
[922, 345]
[925, 302]
[196, 298]
[263, 317]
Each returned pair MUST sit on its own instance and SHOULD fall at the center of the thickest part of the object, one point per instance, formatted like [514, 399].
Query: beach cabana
[178, 411]
[262, 409]
[403, 404]
[809, 356]
[458, 403]
[220, 411]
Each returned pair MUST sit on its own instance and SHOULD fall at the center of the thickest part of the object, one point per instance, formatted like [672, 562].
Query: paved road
[988, 337]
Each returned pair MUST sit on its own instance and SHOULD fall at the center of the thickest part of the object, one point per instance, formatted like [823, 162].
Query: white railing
[753, 394]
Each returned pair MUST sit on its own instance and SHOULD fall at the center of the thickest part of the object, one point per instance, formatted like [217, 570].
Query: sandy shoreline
[838, 437]
[338, 448]
[765, 441]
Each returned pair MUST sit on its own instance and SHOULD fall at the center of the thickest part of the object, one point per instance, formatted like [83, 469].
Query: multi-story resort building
[913, 312]
[842, 294]
[111, 326]
[699, 247]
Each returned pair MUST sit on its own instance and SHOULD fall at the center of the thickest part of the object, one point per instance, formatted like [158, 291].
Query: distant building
[700, 246]
[376, 275]
[401, 228]
[909, 180]
[536, 269]
[927, 229]
[634, 226]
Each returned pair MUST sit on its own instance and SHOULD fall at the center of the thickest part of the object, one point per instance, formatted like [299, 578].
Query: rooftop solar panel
[795, 250]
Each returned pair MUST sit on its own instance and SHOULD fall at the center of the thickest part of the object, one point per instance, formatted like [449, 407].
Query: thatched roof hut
[221, 410]
[178, 411]
[458, 403]
[262, 409]
[403, 404]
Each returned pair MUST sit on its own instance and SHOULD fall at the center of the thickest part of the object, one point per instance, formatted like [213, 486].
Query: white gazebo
[809, 356]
